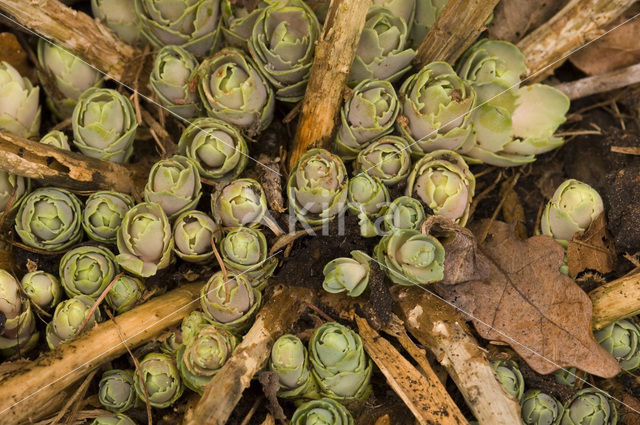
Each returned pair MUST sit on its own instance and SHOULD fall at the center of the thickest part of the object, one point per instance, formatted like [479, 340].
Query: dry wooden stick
[77, 32]
[66, 169]
[424, 394]
[456, 28]
[440, 328]
[579, 22]
[616, 300]
[225, 389]
[23, 393]
[335, 50]
[601, 83]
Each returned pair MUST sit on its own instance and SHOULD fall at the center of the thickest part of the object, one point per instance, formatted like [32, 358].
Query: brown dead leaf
[615, 50]
[12, 52]
[592, 250]
[527, 303]
[512, 209]
[513, 19]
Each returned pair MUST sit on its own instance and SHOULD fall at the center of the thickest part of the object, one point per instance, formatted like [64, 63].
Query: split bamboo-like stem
[616, 300]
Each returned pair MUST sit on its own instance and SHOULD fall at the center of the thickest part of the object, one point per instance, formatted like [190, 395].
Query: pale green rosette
[193, 233]
[367, 197]
[620, 339]
[240, 203]
[68, 318]
[238, 22]
[116, 419]
[57, 139]
[290, 360]
[161, 379]
[13, 189]
[43, 289]
[322, 412]
[116, 392]
[230, 304]
[120, 16]
[538, 408]
[388, 159]
[103, 214]
[349, 275]
[590, 407]
[175, 70]
[87, 270]
[125, 294]
[244, 251]
[509, 375]
[20, 106]
[18, 334]
[174, 184]
[404, 212]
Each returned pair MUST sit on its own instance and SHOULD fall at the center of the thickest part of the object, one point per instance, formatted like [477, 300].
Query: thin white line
[128, 338]
[148, 99]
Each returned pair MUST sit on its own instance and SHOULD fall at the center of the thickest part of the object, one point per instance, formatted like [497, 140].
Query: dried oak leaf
[592, 250]
[513, 19]
[527, 303]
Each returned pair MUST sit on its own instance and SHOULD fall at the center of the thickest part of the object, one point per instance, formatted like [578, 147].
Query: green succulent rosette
[404, 9]
[13, 189]
[367, 115]
[322, 412]
[590, 407]
[349, 275]
[191, 324]
[49, 219]
[43, 289]
[120, 16]
[87, 270]
[509, 375]
[144, 240]
[219, 150]
[200, 359]
[174, 184]
[116, 392]
[436, 108]
[239, 203]
[64, 77]
[238, 22]
[115, 419]
[426, 13]
[367, 197]
[103, 214]
[382, 52]
[191, 24]
[290, 360]
[282, 44]
[388, 159]
[232, 90]
[572, 208]
[125, 294]
[244, 251]
[161, 379]
[230, 304]
[538, 408]
[193, 233]
[339, 363]
[404, 212]
[57, 139]
[174, 72]
[18, 333]
[317, 187]
[410, 257]
[104, 125]
[170, 344]
[20, 109]
[443, 181]
[68, 318]
[620, 339]
[566, 376]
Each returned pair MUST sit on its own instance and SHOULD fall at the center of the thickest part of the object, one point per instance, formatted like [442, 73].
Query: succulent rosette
[161, 379]
[321, 412]
[590, 407]
[68, 318]
[317, 187]
[238, 22]
[282, 44]
[425, 16]
[87, 270]
[116, 392]
[538, 408]
[240, 203]
[191, 24]
[404, 9]
[290, 360]
[115, 419]
[18, 333]
[367, 115]
[170, 344]
[57, 139]
[193, 232]
[244, 251]
[219, 150]
[144, 240]
[509, 375]
[367, 196]
[382, 52]
[125, 294]
[349, 275]
[620, 339]
[436, 109]
[13, 189]
[174, 184]
[442, 180]
[232, 90]
[230, 304]
[566, 376]
[403, 212]
[121, 17]
[50, 219]
[42, 288]
[339, 363]
[20, 107]
[200, 358]
[64, 77]
[388, 159]
[172, 78]
[103, 214]
[104, 125]
[192, 324]
[572, 208]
